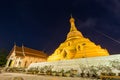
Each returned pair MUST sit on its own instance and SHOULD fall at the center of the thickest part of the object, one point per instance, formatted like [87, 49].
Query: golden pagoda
[76, 46]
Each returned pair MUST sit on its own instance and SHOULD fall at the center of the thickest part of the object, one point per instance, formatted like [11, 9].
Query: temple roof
[25, 51]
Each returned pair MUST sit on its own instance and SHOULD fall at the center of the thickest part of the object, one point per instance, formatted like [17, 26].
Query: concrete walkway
[10, 76]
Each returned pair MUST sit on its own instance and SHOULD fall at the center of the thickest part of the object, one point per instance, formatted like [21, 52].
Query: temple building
[23, 57]
[76, 46]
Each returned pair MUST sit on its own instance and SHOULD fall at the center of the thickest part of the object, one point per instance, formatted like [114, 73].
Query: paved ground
[11, 76]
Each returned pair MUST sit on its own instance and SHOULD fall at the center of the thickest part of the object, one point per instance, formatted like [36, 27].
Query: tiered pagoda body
[76, 46]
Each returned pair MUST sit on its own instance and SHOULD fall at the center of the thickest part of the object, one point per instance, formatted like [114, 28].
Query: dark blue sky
[44, 24]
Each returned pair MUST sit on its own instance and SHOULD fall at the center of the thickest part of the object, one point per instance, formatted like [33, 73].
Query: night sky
[44, 24]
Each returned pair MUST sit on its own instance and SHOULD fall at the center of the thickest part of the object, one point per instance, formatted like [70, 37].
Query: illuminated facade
[23, 57]
[76, 46]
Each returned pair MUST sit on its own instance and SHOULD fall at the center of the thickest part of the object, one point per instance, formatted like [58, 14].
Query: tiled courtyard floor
[10, 76]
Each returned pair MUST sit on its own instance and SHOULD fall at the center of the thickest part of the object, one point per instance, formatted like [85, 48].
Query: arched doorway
[10, 63]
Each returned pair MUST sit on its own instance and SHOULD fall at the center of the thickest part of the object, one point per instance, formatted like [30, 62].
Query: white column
[18, 60]
[8, 61]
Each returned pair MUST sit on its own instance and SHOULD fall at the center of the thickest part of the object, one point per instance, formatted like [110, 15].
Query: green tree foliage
[2, 60]
[3, 55]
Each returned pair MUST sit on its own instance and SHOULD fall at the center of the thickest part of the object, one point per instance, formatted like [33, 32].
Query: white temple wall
[76, 63]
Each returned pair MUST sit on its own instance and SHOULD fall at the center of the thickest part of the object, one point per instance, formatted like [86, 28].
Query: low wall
[77, 63]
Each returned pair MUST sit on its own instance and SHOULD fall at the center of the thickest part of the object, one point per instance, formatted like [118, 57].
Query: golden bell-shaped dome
[74, 33]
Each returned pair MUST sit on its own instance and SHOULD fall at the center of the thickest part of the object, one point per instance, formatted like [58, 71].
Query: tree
[3, 54]
[2, 60]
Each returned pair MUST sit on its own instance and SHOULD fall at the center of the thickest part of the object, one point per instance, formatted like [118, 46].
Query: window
[83, 57]
[83, 44]
[78, 47]
[69, 43]
[65, 54]
[10, 62]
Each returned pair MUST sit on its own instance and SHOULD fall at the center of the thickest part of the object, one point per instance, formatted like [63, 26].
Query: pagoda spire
[23, 50]
[14, 47]
[72, 22]
[73, 33]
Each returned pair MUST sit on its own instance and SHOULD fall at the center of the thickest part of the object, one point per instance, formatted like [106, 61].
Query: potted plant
[74, 72]
[82, 74]
[61, 73]
[54, 73]
[103, 74]
[48, 69]
[48, 72]
[88, 74]
[112, 74]
[118, 74]
[41, 71]
[67, 73]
